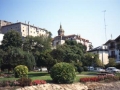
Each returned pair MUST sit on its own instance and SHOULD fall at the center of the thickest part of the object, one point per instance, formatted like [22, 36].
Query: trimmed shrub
[63, 73]
[20, 71]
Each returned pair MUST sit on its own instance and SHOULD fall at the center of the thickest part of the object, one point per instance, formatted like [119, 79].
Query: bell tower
[60, 31]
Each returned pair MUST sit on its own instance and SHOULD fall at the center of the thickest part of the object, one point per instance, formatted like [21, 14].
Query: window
[112, 52]
[23, 30]
[31, 31]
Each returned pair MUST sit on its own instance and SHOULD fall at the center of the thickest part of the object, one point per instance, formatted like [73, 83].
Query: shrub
[24, 81]
[85, 68]
[63, 73]
[79, 69]
[21, 71]
[36, 82]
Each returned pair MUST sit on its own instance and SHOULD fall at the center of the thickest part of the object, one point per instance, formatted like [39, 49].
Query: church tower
[60, 31]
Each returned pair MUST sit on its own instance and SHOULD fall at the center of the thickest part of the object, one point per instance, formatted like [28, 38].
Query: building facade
[23, 28]
[114, 49]
[1, 38]
[102, 51]
[60, 39]
[4, 23]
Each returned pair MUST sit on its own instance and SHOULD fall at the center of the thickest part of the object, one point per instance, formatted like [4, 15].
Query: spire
[60, 25]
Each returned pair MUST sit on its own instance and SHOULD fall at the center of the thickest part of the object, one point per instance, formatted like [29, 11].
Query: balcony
[112, 56]
[112, 47]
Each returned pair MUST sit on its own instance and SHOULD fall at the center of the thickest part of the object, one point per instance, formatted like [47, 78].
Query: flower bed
[21, 82]
[106, 78]
[36, 82]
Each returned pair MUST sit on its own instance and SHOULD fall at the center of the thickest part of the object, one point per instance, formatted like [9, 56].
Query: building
[114, 49]
[60, 39]
[102, 51]
[23, 28]
[4, 23]
[1, 38]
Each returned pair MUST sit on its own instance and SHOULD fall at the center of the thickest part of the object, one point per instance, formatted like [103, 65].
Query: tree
[97, 61]
[38, 43]
[92, 60]
[111, 62]
[11, 39]
[70, 51]
[46, 60]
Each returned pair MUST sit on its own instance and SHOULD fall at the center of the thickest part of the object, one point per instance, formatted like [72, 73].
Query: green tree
[70, 51]
[46, 60]
[11, 39]
[111, 62]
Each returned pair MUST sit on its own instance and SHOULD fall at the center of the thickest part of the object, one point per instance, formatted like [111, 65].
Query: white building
[60, 39]
[114, 49]
[23, 28]
[1, 38]
[102, 51]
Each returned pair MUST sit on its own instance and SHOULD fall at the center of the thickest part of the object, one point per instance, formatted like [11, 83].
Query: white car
[113, 69]
[100, 70]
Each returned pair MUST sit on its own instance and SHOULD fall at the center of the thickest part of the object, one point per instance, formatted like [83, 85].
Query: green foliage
[29, 60]
[46, 60]
[70, 51]
[111, 62]
[21, 71]
[80, 69]
[63, 73]
[38, 43]
[85, 68]
[11, 39]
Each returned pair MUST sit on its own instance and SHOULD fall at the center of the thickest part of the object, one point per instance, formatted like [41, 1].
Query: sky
[80, 17]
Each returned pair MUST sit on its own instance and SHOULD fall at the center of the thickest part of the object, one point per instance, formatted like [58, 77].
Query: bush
[79, 69]
[24, 81]
[85, 68]
[21, 71]
[63, 73]
[36, 82]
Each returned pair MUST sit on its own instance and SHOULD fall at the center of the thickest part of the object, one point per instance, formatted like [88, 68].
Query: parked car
[91, 68]
[100, 70]
[113, 69]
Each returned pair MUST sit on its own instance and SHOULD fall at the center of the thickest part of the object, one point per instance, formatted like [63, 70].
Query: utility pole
[105, 24]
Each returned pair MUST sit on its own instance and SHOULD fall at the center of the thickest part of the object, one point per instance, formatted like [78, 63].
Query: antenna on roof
[105, 24]
[111, 36]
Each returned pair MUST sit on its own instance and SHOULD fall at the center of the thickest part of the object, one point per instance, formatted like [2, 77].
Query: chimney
[28, 22]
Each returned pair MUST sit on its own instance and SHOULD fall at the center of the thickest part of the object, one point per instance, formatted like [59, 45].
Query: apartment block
[25, 29]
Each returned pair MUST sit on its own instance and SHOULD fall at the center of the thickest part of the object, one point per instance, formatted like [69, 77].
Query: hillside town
[59, 45]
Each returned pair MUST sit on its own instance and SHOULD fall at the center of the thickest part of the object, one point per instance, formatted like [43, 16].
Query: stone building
[60, 39]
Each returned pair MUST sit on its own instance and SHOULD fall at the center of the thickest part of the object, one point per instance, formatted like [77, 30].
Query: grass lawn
[89, 73]
[46, 76]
